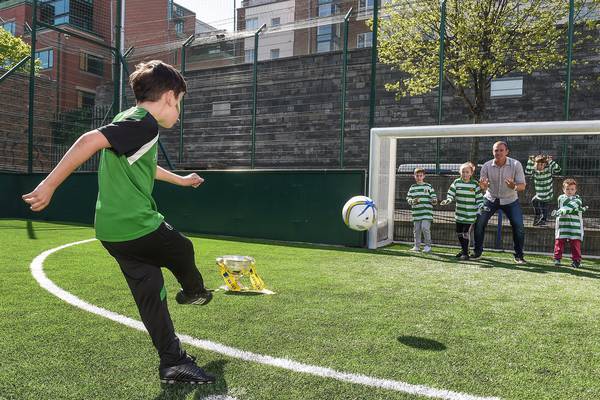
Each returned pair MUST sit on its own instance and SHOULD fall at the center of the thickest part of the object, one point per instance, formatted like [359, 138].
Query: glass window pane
[324, 30]
[323, 46]
[252, 24]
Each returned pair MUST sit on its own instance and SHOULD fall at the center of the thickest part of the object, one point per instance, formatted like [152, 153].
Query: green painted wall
[288, 205]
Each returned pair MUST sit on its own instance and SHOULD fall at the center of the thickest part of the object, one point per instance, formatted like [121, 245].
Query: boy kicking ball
[127, 221]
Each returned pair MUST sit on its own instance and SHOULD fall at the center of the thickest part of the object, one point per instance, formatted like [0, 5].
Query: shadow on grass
[30, 230]
[242, 294]
[422, 343]
[533, 267]
[181, 391]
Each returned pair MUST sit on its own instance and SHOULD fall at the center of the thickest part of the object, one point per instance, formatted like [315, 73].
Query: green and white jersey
[570, 225]
[468, 199]
[424, 192]
[542, 180]
[125, 209]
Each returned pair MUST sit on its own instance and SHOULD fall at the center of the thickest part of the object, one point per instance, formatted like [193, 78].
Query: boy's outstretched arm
[86, 146]
[164, 175]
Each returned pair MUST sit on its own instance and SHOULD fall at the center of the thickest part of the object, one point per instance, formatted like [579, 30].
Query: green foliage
[13, 50]
[485, 39]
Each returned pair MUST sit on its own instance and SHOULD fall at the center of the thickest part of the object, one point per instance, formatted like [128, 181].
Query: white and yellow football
[359, 213]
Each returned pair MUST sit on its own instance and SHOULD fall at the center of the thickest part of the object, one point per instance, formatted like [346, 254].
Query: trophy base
[263, 291]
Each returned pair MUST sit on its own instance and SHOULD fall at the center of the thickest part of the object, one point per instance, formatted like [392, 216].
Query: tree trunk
[474, 152]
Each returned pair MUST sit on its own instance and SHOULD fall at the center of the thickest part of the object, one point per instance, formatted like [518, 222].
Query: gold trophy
[239, 273]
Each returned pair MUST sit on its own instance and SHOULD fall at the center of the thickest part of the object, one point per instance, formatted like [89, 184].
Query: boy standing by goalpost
[421, 197]
[127, 221]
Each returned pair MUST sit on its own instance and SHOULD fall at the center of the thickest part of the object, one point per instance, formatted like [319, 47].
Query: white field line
[37, 270]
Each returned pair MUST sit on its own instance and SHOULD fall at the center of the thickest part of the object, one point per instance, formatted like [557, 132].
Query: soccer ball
[359, 213]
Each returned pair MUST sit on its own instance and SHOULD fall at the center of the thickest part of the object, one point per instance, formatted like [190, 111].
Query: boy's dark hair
[153, 78]
[419, 170]
[541, 159]
[569, 182]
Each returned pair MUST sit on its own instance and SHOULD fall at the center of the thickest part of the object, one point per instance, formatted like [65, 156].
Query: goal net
[440, 149]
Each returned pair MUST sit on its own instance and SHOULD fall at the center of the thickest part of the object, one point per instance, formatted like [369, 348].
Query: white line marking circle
[37, 270]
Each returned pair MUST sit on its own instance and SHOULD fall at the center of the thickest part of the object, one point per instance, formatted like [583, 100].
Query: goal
[385, 143]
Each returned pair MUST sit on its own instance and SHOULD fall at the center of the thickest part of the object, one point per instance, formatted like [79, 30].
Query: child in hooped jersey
[569, 223]
[421, 197]
[542, 168]
[467, 194]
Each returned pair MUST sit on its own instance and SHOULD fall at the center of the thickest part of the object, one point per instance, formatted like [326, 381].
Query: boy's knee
[184, 245]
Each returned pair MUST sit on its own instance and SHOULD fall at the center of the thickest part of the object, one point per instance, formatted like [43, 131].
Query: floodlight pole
[31, 89]
[182, 105]
[343, 99]
[254, 68]
[441, 79]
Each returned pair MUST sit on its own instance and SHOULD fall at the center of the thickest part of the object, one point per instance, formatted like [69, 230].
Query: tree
[484, 39]
[13, 50]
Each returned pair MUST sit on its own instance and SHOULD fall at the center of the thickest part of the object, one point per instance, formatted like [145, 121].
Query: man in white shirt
[501, 179]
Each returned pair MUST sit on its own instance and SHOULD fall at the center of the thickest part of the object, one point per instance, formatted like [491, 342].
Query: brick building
[323, 20]
[81, 70]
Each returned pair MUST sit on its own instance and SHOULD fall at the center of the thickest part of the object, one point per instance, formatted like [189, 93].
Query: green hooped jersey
[569, 225]
[125, 209]
[468, 199]
[423, 210]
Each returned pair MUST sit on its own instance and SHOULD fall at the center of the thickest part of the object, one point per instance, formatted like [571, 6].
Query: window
[85, 99]
[275, 21]
[179, 27]
[364, 5]
[10, 27]
[274, 54]
[78, 13]
[364, 40]
[46, 57]
[91, 63]
[221, 108]
[328, 38]
[252, 24]
[328, 7]
[177, 11]
[507, 87]
[249, 55]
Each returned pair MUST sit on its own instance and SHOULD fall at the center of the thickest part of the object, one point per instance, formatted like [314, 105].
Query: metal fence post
[374, 64]
[343, 98]
[567, 105]
[182, 104]
[31, 89]
[440, 79]
[373, 82]
[117, 64]
[14, 68]
[254, 100]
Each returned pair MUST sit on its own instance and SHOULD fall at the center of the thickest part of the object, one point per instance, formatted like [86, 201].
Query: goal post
[385, 142]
